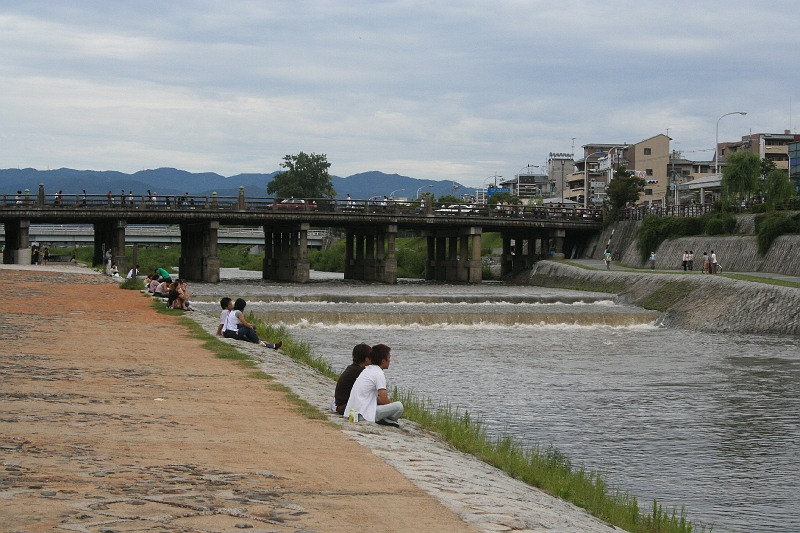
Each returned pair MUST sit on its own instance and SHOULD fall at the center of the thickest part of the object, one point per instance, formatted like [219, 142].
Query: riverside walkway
[115, 419]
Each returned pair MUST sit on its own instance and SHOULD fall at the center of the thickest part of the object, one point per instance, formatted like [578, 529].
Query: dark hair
[380, 352]
[224, 302]
[239, 304]
[361, 353]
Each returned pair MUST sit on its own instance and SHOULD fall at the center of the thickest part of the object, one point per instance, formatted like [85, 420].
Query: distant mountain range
[169, 181]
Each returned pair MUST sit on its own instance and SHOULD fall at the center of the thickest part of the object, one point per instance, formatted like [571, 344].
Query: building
[770, 146]
[683, 172]
[559, 167]
[531, 182]
[794, 165]
[649, 158]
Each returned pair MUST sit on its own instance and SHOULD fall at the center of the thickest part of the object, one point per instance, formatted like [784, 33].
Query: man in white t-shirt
[227, 305]
[368, 398]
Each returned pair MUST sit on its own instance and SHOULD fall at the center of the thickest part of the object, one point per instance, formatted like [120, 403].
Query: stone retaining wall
[692, 301]
[737, 253]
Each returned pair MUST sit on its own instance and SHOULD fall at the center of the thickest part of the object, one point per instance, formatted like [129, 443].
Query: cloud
[450, 90]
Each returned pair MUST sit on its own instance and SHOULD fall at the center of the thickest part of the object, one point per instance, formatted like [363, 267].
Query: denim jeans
[247, 334]
[392, 411]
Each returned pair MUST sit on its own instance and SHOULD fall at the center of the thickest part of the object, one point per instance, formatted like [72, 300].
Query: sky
[441, 90]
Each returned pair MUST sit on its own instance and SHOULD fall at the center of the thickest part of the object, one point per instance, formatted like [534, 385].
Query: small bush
[771, 226]
[760, 208]
[715, 226]
[132, 284]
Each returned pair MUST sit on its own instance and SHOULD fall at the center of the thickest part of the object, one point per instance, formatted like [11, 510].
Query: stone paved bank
[692, 301]
[480, 494]
[737, 253]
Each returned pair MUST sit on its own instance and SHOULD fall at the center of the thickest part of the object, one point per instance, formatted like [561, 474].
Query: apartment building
[771, 146]
[649, 158]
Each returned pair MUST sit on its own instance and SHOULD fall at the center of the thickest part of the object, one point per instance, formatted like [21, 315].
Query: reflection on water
[709, 421]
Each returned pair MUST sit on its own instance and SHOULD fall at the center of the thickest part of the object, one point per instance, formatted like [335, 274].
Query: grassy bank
[546, 469]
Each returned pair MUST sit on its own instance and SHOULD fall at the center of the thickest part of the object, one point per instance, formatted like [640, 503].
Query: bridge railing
[186, 202]
[689, 210]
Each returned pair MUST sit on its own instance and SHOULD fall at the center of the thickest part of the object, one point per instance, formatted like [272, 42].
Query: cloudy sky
[440, 90]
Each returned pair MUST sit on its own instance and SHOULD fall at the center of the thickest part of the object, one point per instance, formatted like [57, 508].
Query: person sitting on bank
[165, 276]
[113, 271]
[182, 295]
[369, 399]
[227, 306]
[162, 288]
[361, 358]
[244, 330]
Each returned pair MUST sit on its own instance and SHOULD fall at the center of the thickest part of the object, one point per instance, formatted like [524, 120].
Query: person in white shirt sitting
[368, 398]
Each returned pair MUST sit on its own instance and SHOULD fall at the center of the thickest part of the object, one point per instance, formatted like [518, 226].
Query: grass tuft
[132, 284]
[298, 350]
[301, 406]
[547, 469]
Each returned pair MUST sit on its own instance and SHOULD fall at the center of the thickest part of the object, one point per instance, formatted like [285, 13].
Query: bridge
[453, 232]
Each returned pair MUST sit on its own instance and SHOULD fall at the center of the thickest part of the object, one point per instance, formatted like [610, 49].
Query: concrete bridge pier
[454, 255]
[110, 234]
[199, 260]
[370, 254]
[17, 250]
[558, 242]
[521, 251]
[286, 253]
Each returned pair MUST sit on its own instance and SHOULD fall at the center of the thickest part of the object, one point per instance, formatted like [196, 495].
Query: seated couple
[232, 324]
[362, 387]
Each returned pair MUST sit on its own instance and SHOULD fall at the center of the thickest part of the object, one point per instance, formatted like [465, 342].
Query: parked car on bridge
[295, 204]
[456, 209]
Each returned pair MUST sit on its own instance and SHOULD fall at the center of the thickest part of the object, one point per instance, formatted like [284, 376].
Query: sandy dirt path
[112, 419]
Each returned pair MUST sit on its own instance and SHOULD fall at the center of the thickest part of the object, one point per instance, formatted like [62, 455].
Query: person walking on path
[607, 259]
[691, 260]
[706, 264]
[713, 269]
[652, 260]
[685, 260]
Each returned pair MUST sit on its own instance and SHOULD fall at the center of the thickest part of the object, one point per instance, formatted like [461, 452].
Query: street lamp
[424, 186]
[716, 146]
[391, 194]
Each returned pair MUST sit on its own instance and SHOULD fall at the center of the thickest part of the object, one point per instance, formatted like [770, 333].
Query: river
[707, 421]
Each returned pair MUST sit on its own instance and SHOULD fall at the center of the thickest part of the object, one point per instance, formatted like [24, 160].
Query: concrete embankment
[690, 301]
[737, 253]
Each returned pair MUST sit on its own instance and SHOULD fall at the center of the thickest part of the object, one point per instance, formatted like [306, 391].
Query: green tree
[740, 175]
[624, 188]
[449, 199]
[777, 187]
[306, 176]
[767, 166]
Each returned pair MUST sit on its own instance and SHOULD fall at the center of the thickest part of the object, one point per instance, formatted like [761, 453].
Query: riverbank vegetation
[655, 230]
[411, 254]
[547, 469]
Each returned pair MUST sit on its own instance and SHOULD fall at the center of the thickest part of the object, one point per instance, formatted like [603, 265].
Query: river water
[708, 421]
